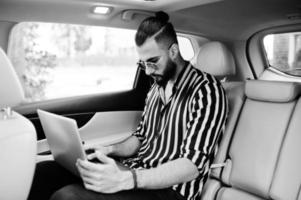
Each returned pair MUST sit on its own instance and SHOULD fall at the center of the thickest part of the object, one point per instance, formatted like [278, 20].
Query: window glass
[61, 60]
[186, 48]
[284, 52]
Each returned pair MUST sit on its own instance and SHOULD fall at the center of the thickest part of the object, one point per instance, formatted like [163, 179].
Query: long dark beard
[170, 71]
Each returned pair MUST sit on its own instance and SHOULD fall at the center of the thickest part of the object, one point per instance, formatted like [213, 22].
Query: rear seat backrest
[287, 179]
[236, 98]
[216, 59]
[253, 169]
[235, 95]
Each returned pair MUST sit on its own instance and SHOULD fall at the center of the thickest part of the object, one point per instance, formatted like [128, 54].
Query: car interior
[77, 58]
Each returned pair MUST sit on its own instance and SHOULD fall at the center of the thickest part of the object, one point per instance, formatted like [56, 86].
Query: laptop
[63, 138]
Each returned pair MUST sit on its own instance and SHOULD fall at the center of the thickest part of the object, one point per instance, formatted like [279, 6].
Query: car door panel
[83, 108]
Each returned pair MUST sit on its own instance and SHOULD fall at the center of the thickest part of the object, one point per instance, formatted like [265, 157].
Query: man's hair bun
[159, 26]
[162, 16]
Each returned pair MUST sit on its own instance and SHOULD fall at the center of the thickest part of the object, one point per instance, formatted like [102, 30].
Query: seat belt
[221, 158]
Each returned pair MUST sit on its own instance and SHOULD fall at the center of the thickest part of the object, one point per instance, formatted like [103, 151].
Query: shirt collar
[182, 76]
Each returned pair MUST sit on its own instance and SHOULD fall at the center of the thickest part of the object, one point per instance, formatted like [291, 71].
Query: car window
[61, 60]
[283, 52]
[186, 48]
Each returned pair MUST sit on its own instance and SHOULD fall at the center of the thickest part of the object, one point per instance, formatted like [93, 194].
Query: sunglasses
[144, 64]
[151, 64]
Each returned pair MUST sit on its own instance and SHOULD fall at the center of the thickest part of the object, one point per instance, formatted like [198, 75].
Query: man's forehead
[149, 49]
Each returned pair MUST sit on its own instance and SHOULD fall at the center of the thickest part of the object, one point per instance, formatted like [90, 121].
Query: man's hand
[104, 177]
[106, 150]
[126, 148]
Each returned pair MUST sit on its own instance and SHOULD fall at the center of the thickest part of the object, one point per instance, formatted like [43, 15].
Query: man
[169, 155]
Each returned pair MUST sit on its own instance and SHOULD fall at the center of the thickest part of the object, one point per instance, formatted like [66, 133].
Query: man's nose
[149, 70]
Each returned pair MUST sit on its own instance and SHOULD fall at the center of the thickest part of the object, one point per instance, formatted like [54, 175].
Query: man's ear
[174, 51]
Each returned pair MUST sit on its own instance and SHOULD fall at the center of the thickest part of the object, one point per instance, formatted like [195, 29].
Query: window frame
[255, 50]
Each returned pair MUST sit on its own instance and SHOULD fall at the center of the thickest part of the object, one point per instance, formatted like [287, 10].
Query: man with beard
[169, 155]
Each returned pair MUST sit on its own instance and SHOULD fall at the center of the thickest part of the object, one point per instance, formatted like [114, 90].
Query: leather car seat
[215, 58]
[17, 137]
[263, 159]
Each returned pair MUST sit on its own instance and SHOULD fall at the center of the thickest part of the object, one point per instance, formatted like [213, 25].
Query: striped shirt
[187, 126]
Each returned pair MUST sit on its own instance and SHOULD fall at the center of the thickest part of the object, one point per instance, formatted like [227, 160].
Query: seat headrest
[214, 58]
[272, 91]
[11, 90]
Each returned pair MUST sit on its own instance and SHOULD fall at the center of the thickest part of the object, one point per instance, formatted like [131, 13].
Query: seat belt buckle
[217, 165]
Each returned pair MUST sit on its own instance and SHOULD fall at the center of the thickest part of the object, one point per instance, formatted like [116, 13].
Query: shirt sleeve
[207, 116]
[140, 131]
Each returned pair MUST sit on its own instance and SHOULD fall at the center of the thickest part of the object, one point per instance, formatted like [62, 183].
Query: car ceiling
[217, 19]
